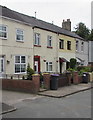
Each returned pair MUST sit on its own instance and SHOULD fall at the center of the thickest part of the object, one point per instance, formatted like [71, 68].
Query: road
[74, 106]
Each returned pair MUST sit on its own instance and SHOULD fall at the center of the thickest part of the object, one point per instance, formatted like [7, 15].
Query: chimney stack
[66, 24]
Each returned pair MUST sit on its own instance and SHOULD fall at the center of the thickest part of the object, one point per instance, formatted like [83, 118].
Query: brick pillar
[69, 76]
[36, 83]
[75, 77]
[46, 78]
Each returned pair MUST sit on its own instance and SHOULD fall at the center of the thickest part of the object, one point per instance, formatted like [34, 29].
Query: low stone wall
[31, 86]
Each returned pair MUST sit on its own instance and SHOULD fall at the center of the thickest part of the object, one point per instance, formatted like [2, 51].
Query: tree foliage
[91, 35]
[82, 31]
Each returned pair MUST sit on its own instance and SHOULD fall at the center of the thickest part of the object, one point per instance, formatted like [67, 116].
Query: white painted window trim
[48, 67]
[36, 36]
[19, 34]
[3, 65]
[20, 64]
[49, 39]
[82, 46]
[77, 43]
[4, 31]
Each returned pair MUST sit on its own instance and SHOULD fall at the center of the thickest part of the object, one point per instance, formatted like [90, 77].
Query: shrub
[30, 72]
[84, 68]
[73, 63]
[71, 70]
[81, 72]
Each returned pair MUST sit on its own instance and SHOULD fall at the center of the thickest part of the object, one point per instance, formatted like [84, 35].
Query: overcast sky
[54, 10]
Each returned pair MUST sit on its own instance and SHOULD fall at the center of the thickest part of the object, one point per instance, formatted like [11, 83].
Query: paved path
[65, 91]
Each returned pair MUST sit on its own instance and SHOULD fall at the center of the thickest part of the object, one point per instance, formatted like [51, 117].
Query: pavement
[6, 108]
[67, 90]
[10, 98]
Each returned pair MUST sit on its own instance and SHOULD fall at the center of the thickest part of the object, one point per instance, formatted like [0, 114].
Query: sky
[54, 10]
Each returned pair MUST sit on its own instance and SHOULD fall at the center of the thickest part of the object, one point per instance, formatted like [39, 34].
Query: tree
[91, 35]
[82, 31]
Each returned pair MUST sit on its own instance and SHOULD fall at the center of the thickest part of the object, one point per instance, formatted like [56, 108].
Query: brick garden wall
[62, 81]
[31, 86]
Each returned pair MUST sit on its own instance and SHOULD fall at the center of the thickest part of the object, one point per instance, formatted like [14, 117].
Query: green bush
[84, 68]
[71, 70]
[81, 72]
[30, 72]
[73, 63]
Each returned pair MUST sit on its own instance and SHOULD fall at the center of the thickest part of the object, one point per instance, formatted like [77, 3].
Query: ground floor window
[49, 66]
[1, 65]
[20, 64]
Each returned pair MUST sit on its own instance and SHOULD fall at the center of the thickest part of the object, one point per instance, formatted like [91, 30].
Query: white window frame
[4, 32]
[49, 67]
[20, 64]
[61, 44]
[22, 40]
[82, 47]
[77, 45]
[3, 65]
[68, 45]
[37, 39]
[49, 40]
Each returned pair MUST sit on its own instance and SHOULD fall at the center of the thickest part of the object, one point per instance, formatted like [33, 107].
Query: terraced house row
[47, 47]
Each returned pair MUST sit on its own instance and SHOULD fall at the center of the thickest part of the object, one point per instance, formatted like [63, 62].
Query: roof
[6, 12]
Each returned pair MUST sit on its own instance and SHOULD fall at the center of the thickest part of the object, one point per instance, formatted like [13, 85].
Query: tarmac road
[75, 106]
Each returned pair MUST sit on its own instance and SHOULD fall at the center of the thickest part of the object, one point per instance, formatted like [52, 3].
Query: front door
[1, 66]
[37, 64]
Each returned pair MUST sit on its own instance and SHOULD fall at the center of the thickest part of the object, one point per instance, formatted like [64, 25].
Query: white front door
[1, 67]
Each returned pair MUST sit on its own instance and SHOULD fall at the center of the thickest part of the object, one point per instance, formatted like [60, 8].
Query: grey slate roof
[6, 12]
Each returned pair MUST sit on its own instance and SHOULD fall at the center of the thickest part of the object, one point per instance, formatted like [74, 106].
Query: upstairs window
[49, 41]
[82, 46]
[37, 39]
[3, 32]
[20, 64]
[68, 45]
[19, 35]
[77, 45]
[61, 44]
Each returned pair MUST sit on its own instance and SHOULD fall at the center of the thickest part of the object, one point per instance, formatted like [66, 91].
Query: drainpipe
[57, 49]
[33, 47]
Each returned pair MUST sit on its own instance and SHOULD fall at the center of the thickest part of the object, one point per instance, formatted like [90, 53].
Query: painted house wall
[64, 53]
[90, 51]
[48, 54]
[10, 47]
[83, 55]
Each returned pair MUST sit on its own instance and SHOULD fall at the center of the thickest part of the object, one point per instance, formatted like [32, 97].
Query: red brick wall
[62, 81]
[75, 78]
[46, 78]
[31, 86]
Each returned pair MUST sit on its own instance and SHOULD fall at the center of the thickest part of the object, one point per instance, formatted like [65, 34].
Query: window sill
[69, 49]
[3, 38]
[19, 41]
[61, 48]
[37, 45]
[20, 73]
[49, 47]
